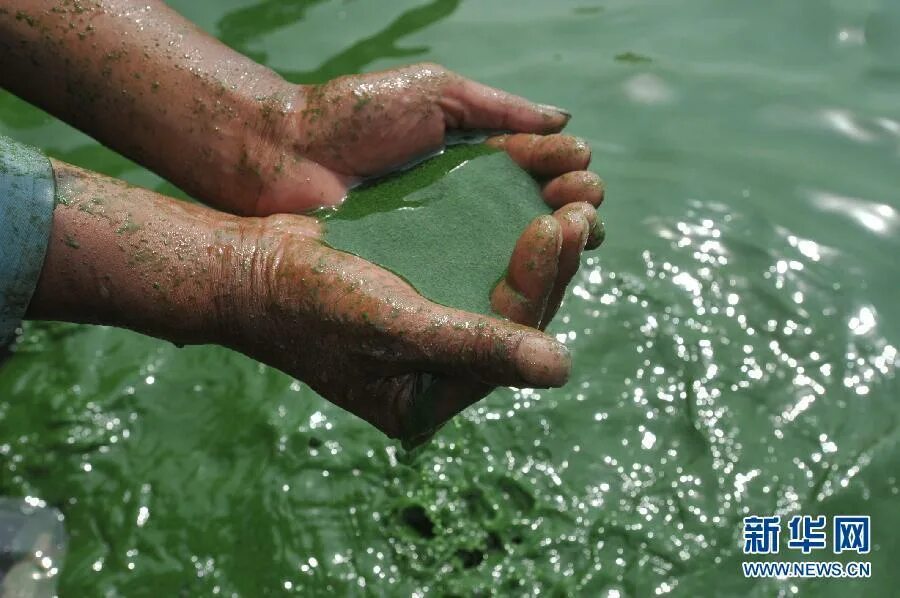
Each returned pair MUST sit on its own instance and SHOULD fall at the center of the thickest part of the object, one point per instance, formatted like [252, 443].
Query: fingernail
[542, 362]
[598, 234]
[557, 109]
[585, 236]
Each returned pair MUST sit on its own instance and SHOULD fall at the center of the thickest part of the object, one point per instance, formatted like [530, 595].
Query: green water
[420, 225]
[734, 339]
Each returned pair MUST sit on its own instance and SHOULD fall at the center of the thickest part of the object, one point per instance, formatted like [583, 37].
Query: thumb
[529, 359]
[471, 105]
[489, 350]
[300, 186]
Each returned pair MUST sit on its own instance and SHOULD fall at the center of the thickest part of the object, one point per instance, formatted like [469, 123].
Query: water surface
[735, 339]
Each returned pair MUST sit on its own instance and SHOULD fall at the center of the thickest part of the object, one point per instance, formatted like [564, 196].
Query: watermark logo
[852, 534]
[761, 534]
[805, 534]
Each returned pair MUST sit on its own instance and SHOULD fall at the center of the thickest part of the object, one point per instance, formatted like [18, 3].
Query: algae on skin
[448, 226]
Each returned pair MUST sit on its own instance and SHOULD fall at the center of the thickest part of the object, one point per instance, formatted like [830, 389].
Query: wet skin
[267, 287]
[146, 82]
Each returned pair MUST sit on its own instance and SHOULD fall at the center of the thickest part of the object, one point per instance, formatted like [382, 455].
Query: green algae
[544, 494]
[448, 226]
[633, 58]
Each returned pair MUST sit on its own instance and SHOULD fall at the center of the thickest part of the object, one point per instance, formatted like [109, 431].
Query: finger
[290, 191]
[511, 303]
[575, 224]
[545, 155]
[406, 332]
[522, 294]
[471, 105]
[522, 297]
[597, 234]
[489, 350]
[571, 187]
[291, 224]
[443, 397]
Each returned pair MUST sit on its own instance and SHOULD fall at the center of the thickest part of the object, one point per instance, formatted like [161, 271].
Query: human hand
[270, 288]
[399, 361]
[232, 132]
[336, 134]
[365, 340]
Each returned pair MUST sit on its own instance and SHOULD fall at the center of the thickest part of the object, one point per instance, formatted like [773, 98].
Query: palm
[379, 349]
[369, 343]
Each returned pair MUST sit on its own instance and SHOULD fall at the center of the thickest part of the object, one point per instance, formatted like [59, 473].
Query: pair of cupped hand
[367, 341]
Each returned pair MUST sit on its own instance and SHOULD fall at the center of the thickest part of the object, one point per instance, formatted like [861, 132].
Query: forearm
[124, 256]
[145, 81]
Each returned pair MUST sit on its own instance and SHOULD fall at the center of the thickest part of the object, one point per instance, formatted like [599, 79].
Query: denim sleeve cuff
[26, 215]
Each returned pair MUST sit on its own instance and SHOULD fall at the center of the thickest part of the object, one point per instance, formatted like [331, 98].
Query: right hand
[336, 134]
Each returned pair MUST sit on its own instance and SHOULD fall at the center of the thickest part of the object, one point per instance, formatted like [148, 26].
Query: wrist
[259, 282]
[256, 147]
[124, 256]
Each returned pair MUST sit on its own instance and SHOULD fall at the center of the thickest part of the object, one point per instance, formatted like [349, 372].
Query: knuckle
[434, 74]
[431, 67]
[481, 345]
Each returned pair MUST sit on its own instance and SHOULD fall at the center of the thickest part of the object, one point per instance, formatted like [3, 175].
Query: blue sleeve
[26, 215]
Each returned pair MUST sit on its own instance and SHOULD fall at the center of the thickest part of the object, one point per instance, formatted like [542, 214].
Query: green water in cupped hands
[447, 227]
[734, 338]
